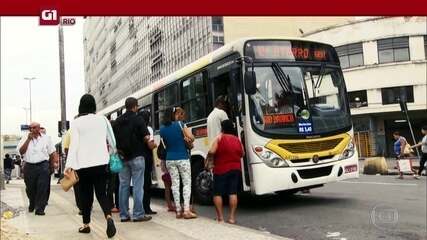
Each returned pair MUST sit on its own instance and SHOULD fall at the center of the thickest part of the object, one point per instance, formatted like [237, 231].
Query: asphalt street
[371, 207]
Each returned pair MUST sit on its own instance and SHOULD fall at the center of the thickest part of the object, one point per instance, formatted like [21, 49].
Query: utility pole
[29, 79]
[404, 108]
[62, 79]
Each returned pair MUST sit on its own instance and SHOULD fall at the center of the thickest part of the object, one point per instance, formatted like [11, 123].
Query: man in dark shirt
[131, 135]
[8, 167]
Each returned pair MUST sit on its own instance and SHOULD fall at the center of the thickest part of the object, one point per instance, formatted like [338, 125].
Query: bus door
[225, 79]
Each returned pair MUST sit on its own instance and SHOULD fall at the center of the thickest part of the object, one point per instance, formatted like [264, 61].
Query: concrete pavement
[62, 221]
[369, 208]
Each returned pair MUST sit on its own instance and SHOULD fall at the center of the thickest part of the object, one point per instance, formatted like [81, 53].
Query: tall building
[124, 54]
[383, 60]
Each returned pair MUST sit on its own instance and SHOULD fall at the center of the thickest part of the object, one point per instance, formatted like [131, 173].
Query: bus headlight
[269, 157]
[348, 151]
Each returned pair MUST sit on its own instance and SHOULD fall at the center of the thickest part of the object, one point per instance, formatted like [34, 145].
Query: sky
[31, 50]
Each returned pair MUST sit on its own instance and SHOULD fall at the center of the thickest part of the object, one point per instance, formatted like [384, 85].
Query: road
[371, 207]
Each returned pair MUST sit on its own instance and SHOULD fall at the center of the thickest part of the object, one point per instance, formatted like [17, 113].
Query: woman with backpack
[174, 135]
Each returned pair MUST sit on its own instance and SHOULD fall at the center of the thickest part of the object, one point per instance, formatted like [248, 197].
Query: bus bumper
[268, 180]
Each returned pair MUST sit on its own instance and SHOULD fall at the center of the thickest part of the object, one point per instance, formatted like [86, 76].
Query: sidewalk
[61, 222]
[392, 167]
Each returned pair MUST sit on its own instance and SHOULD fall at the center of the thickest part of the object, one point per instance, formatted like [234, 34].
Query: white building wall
[373, 76]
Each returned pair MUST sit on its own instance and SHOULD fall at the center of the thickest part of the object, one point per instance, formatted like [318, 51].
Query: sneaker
[125, 219]
[145, 218]
[416, 177]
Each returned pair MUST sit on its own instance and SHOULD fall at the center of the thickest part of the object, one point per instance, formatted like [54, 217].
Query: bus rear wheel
[202, 184]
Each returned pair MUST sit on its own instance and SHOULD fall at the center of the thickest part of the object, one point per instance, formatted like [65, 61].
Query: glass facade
[124, 54]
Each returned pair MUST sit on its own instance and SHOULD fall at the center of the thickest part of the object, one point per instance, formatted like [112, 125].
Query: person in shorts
[225, 157]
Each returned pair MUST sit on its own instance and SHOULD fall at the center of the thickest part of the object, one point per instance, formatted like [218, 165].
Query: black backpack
[125, 134]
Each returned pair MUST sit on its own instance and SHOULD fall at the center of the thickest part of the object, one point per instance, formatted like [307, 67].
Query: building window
[425, 46]
[358, 99]
[393, 94]
[393, 50]
[350, 55]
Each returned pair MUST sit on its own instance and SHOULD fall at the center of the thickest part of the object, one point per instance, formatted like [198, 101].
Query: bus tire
[202, 194]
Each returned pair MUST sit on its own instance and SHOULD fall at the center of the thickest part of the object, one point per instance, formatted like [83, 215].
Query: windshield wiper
[282, 78]
[320, 78]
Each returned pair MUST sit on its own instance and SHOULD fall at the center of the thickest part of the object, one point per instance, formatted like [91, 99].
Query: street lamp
[26, 114]
[29, 83]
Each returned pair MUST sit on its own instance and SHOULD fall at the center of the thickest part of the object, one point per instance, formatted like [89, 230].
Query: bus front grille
[303, 160]
[315, 172]
[308, 147]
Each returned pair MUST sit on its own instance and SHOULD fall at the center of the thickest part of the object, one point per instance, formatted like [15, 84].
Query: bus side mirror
[250, 82]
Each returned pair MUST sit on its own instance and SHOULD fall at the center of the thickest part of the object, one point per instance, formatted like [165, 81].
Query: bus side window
[193, 97]
[163, 99]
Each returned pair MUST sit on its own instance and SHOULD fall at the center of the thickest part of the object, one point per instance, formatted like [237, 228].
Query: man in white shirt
[37, 149]
[216, 117]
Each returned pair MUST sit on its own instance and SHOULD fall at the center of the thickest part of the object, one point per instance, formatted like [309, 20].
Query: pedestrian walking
[76, 187]
[131, 137]
[51, 168]
[38, 152]
[215, 118]
[18, 163]
[89, 156]
[225, 157]
[178, 164]
[113, 184]
[400, 147]
[148, 164]
[423, 145]
[8, 167]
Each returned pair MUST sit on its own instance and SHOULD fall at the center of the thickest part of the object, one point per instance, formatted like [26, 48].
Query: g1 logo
[49, 17]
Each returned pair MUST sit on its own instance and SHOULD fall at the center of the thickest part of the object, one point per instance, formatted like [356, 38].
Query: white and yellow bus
[289, 104]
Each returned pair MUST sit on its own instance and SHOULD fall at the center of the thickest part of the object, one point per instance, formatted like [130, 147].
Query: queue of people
[88, 145]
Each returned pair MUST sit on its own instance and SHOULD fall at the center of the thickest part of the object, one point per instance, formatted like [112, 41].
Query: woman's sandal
[84, 229]
[189, 215]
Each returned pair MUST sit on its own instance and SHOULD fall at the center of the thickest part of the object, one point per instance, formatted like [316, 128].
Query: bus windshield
[288, 95]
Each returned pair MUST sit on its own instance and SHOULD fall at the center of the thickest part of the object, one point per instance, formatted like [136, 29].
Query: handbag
[407, 150]
[161, 150]
[115, 162]
[404, 165]
[69, 180]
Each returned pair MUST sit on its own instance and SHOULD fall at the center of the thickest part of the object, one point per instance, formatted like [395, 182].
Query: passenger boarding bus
[289, 104]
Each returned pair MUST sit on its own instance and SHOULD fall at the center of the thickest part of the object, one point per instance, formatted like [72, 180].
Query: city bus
[288, 101]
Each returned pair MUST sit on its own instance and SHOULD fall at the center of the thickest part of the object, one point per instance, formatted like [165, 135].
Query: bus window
[165, 98]
[193, 90]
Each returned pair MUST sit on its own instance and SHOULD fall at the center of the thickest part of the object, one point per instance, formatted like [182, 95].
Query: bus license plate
[350, 168]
